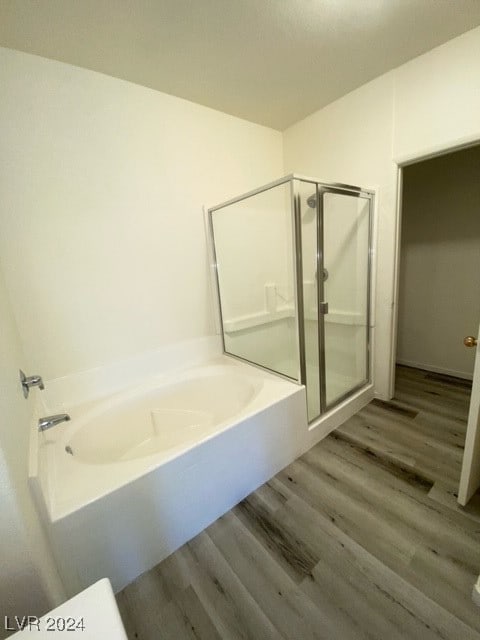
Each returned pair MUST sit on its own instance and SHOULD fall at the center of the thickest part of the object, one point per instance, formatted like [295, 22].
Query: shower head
[312, 201]
[309, 214]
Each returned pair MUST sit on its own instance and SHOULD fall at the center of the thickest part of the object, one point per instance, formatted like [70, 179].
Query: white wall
[428, 104]
[439, 299]
[101, 225]
[29, 584]
[102, 248]
[437, 99]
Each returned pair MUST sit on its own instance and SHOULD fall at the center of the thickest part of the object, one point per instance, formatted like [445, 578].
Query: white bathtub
[160, 419]
[134, 476]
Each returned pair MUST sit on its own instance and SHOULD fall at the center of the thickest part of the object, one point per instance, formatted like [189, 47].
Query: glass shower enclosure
[293, 270]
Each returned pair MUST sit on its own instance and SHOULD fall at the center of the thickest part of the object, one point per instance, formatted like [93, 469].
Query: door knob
[470, 341]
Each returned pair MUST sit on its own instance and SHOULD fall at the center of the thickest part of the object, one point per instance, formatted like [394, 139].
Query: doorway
[439, 306]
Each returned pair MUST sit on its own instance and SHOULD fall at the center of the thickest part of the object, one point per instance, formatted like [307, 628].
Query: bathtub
[135, 475]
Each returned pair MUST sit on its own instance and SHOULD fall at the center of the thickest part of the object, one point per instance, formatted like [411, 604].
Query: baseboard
[430, 367]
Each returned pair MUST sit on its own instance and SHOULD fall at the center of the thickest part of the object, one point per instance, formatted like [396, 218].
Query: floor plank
[272, 588]
[185, 617]
[446, 496]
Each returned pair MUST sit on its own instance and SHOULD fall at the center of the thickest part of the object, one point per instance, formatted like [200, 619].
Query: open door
[470, 476]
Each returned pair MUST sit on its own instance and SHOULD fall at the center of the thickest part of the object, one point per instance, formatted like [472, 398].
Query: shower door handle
[323, 308]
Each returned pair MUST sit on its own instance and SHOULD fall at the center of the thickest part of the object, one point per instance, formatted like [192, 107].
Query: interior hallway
[359, 538]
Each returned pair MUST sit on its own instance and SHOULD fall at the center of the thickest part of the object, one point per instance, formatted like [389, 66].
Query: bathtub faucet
[51, 421]
[30, 381]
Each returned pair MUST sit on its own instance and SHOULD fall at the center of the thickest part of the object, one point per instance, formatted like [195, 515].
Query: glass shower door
[345, 236]
[255, 265]
[293, 271]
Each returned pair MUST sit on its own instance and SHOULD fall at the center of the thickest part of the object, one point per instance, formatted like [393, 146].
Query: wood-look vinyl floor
[359, 538]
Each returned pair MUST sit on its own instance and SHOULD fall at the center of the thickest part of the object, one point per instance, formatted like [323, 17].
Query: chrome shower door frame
[367, 194]
[298, 293]
[321, 189]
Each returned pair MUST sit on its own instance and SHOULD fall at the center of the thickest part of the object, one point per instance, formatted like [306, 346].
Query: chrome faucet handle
[30, 381]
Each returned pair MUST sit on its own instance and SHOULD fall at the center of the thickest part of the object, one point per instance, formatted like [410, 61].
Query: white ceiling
[268, 61]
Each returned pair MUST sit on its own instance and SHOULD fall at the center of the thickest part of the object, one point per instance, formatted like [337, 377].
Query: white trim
[396, 281]
[430, 367]
[438, 150]
[470, 474]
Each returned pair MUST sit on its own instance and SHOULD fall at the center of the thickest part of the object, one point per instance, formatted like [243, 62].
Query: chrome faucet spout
[51, 421]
